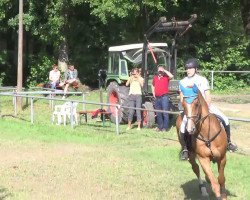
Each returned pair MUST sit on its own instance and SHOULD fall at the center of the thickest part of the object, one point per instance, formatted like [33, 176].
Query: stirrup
[232, 147]
[184, 154]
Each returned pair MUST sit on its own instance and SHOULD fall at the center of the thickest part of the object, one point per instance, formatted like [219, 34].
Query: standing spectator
[54, 76]
[160, 90]
[135, 97]
[70, 78]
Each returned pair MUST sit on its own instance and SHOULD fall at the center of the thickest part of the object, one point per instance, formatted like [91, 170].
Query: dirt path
[42, 171]
[232, 106]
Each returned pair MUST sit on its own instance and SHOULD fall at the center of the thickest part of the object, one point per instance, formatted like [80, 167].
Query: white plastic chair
[64, 111]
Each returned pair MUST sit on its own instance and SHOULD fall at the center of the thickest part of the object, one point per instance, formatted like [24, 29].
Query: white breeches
[212, 109]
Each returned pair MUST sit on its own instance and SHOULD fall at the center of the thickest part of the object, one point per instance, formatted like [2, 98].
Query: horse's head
[192, 107]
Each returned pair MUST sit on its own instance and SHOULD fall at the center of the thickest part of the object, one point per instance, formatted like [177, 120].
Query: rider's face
[190, 71]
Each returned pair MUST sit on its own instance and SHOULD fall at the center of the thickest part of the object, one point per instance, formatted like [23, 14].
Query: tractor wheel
[148, 117]
[118, 95]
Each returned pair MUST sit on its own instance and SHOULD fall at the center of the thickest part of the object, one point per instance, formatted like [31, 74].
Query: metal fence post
[50, 95]
[27, 100]
[116, 120]
[212, 80]
[32, 110]
[71, 114]
[15, 104]
[83, 99]
[52, 101]
[13, 99]
[0, 108]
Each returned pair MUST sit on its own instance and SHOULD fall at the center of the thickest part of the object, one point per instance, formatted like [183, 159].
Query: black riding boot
[184, 152]
[231, 147]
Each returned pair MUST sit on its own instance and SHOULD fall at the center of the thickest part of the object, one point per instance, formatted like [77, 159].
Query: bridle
[198, 119]
[193, 117]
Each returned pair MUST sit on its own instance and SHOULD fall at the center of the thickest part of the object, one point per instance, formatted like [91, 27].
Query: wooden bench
[102, 114]
[59, 86]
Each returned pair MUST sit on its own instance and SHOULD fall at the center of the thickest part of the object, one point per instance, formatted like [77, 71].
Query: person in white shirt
[54, 76]
[201, 82]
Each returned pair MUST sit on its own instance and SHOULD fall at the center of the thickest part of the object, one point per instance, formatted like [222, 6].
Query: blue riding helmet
[190, 93]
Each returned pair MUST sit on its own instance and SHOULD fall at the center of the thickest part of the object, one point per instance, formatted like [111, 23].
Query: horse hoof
[204, 192]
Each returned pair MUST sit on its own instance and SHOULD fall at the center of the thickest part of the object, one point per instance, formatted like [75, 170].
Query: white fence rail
[214, 72]
[83, 102]
[32, 98]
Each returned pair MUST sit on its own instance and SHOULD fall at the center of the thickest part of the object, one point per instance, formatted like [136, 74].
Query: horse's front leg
[205, 164]
[196, 170]
[221, 177]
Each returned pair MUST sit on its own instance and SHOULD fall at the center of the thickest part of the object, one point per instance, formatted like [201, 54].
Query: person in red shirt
[160, 92]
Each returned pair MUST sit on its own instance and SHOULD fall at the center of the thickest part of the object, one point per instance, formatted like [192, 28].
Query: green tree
[88, 27]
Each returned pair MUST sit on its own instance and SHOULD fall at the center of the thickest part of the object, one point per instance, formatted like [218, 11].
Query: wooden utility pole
[20, 54]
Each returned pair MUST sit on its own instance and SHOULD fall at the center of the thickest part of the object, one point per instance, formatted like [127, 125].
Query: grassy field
[46, 161]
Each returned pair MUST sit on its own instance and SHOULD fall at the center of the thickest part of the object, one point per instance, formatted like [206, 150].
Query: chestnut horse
[207, 142]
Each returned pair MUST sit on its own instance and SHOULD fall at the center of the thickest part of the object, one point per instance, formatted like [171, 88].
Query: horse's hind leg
[196, 170]
[221, 177]
[205, 163]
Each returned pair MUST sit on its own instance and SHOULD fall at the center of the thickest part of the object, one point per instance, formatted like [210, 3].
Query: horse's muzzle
[190, 127]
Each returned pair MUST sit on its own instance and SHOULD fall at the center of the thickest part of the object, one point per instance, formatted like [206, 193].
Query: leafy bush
[228, 83]
[2, 78]
[39, 69]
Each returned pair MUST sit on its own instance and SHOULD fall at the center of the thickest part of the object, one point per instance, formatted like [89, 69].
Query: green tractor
[147, 56]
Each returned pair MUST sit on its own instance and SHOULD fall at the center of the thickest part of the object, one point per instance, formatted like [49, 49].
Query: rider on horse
[201, 82]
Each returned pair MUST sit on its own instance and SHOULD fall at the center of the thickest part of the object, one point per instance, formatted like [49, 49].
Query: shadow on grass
[15, 117]
[191, 191]
[4, 193]
[98, 127]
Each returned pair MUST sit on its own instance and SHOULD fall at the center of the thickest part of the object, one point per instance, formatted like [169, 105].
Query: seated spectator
[54, 76]
[70, 78]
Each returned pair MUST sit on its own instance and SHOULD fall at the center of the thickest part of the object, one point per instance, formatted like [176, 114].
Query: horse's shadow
[4, 193]
[192, 192]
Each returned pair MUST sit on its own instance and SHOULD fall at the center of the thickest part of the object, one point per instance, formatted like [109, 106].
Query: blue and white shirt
[200, 81]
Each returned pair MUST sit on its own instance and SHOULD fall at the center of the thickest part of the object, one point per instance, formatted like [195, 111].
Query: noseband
[193, 117]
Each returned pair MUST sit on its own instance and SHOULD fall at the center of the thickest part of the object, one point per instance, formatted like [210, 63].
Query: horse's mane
[205, 110]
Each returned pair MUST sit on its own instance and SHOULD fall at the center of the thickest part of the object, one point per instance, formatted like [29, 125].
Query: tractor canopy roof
[134, 46]
[133, 52]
